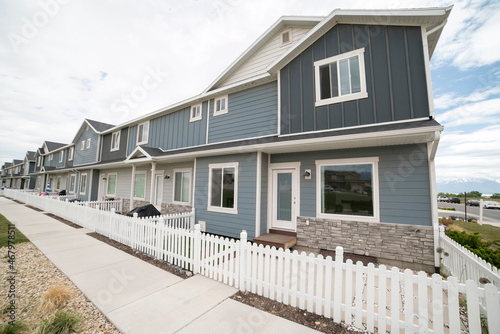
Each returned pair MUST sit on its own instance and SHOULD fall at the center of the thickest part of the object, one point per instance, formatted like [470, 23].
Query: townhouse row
[324, 127]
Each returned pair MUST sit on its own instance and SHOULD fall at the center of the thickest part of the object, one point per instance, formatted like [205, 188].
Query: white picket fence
[364, 296]
[463, 264]
[108, 205]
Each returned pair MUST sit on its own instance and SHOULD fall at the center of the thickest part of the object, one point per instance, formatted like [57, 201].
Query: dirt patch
[146, 258]
[33, 208]
[62, 220]
[308, 319]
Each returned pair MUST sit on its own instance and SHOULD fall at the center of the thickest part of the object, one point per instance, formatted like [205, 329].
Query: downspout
[431, 151]
[131, 206]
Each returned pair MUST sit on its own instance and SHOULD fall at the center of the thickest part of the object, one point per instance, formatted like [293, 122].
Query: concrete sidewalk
[138, 297]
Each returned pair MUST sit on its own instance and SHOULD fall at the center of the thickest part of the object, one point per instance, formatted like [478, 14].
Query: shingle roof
[30, 155]
[51, 146]
[99, 126]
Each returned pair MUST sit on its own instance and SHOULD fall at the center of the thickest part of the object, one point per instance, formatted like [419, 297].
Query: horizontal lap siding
[168, 185]
[251, 113]
[395, 80]
[87, 155]
[403, 181]
[226, 224]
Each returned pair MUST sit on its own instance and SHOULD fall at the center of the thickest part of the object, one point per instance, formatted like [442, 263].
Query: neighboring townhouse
[47, 160]
[322, 130]
[29, 167]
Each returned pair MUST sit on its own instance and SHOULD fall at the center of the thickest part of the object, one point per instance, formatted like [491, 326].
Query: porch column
[153, 183]
[132, 189]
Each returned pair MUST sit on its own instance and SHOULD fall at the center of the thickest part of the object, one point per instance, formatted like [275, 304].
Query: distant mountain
[456, 186]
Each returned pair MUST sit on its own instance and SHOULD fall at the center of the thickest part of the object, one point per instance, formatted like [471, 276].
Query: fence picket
[370, 298]
[328, 286]
[337, 294]
[358, 307]
[382, 295]
[311, 269]
[473, 307]
[437, 303]
[395, 297]
[493, 308]
[423, 315]
[453, 306]
[408, 300]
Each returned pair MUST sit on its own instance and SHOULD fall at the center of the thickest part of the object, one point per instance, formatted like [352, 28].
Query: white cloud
[483, 112]
[451, 99]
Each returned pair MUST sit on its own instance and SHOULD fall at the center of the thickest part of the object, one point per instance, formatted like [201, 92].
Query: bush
[55, 298]
[62, 322]
[20, 326]
[473, 243]
[446, 221]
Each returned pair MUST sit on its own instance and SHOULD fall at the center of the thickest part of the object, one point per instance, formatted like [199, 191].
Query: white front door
[158, 191]
[284, 208]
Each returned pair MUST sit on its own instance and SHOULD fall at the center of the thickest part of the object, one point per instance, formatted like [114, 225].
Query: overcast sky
[62, 61]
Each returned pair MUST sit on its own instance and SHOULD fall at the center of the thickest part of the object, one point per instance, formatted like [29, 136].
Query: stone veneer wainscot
[405, 246]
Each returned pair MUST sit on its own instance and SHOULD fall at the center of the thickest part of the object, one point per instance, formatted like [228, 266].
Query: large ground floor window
[348, 187]
[140, 185]
[223, 187]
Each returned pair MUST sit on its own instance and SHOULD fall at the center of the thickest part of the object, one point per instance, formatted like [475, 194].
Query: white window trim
[71, 153]
[112, 149]
[196, 118]
[61, 156]
[190, 170]
[355, 161]
[147, 137]
[145, 184]
[88, 142]
[289, 31]
[51, 157]
[82, 146]
[234, 210]
[222, 111]
[81, 183]
[39, 159]
[74, 184]
[116, 184]
[356, 96]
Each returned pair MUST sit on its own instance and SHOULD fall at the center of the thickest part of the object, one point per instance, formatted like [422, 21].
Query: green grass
[20, 326]
[62, 322]
[449, 209]
[486, 232]
[4, 233]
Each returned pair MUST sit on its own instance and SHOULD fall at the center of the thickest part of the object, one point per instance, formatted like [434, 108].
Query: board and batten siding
[87, 155]
[174, 130]
[395, 79]
[227, 224]
[404, 192]
[131, 139]
[251, 113]
[107, 154]
[265, 55]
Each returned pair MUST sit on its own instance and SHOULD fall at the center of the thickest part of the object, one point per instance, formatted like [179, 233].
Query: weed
[20, 326]
[55, 298]
[62, 322]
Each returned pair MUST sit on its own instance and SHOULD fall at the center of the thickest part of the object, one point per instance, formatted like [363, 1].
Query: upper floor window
[115, 141]
[195, 113]
[38, 161]
[51, 156]
[82, 146]
[142, 133]
[340, 78]
[220, 105]
[61, 155]
[70, 154]
[88, 142]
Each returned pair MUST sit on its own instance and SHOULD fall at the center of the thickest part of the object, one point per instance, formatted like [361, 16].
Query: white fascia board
[147, 156]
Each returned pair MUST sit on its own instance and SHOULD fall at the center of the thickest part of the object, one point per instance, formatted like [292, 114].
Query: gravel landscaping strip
[35, 275]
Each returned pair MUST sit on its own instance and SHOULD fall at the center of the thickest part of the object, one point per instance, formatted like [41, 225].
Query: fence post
[121, 205]
[197, 249]
[243, 259]
[160, 225]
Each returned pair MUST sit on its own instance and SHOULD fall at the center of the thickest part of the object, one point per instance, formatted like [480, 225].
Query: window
[286, 37]
[82, 145]
[195, 113]
[38, 161]
[58, 183]
[70, 154]
[348, 189]
[83, 184]
[140, 185]
[223, 184]
[115, 141]
[182, 180]
[142, 133]
[51, 156]
[111, 185]
[72, 182]
[340, 78]
[88, 142]
[61, 155]
[220, 105]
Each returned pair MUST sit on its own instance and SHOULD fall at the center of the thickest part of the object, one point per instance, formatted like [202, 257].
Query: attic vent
[286, 37]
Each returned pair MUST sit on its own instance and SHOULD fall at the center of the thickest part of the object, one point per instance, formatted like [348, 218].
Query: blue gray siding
[395, 80]
[121, 153]
[251, 113]
[87, 155]
[132, 139]
[226, 224]
[174, 130]
[403, 181]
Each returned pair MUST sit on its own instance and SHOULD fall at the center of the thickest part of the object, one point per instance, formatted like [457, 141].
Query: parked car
[454, 200]
[472, 202]
[442, 199]
[491, 205]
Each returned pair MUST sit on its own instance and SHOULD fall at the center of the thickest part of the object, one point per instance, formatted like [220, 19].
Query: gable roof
[30, 156]
[17, 162]
[52, 146]
[99, 126]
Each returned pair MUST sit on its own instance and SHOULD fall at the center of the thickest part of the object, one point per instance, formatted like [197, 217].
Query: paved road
[490, 216]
